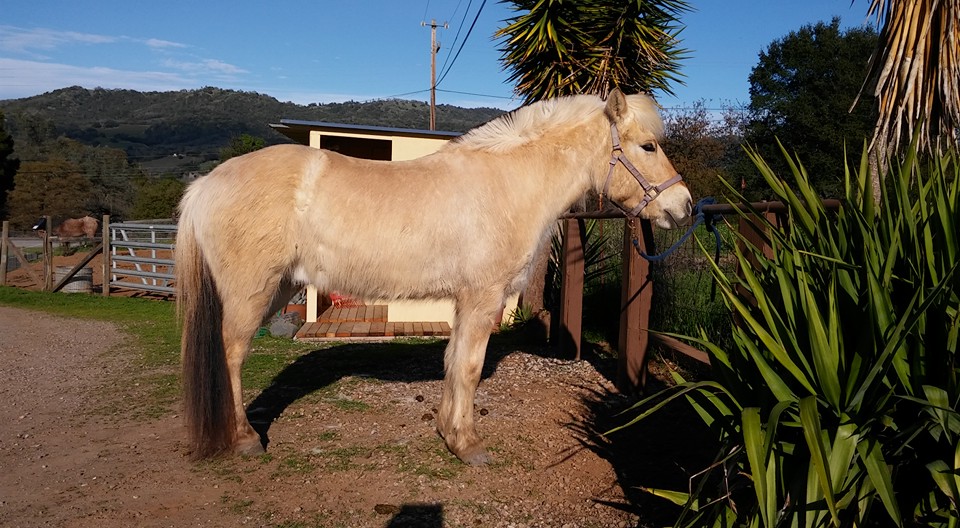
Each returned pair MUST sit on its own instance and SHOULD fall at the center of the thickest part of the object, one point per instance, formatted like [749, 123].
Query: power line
[467, 37]
[476, 94]
[425, 9]
[456, 37]
[397, 95]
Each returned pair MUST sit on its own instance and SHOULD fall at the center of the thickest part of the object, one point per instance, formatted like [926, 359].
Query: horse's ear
[616, 106]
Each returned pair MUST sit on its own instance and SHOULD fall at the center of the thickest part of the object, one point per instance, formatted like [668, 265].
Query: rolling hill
[176, 131]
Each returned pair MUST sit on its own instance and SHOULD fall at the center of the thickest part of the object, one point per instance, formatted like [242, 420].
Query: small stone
[484, 411]
[419, 397]
[386, 509]
[427, 417]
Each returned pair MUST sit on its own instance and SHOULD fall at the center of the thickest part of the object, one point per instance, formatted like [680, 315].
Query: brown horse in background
[71, 227]
[463, 223]
[78, 227]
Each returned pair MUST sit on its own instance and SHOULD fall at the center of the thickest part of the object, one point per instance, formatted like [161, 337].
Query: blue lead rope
[699, 218]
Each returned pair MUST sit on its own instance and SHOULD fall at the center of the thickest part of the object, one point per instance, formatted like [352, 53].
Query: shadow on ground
[662, 451]
[396, 361]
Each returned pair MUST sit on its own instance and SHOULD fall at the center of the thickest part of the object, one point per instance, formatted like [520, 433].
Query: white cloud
[163, 44]
[36, 42]
[19, 78]
[32, 41]
[203, 66]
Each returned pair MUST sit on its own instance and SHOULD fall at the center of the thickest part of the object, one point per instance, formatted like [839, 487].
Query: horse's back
[257, 184]
[248, 203]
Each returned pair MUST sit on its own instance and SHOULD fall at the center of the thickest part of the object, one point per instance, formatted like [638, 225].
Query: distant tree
[8, 166]
[801, 92]
[157, 198]
[111, 175]
[57, 188]
[240, 145]
[700, 145]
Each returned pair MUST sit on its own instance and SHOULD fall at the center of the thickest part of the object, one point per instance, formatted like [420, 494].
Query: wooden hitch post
[568, 336]
[636, 296]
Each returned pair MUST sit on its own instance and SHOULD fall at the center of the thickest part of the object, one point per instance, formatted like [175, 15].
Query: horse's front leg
[463, 362]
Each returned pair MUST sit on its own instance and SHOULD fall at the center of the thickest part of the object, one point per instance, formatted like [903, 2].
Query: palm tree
[915, 75]
[564, 47]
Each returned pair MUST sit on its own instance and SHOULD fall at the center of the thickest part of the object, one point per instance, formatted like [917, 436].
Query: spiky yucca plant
[837, 405]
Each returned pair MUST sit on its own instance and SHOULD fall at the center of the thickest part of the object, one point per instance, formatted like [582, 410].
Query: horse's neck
[561, 173]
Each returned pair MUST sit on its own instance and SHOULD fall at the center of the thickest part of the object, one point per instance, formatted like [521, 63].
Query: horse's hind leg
[243, 314]
[463, 363]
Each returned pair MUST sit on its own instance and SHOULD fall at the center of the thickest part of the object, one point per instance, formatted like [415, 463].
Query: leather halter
[650, 192]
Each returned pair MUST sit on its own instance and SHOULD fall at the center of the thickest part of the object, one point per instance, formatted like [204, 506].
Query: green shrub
[837, 403]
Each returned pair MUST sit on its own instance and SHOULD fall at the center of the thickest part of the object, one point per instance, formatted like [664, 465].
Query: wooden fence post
[47, 255]
[756, 234]
[635, 301]
[4, 252]
[107, 252]
[571, 289]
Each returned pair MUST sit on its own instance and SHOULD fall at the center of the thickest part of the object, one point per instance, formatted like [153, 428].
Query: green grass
[328, 436]
[238, 506]
[151, 323]
[297, 463]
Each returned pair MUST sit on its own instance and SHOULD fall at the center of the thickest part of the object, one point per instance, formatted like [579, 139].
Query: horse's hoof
[251, 449]
[476, 456]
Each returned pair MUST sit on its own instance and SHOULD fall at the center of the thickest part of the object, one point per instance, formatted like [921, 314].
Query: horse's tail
[208, 398]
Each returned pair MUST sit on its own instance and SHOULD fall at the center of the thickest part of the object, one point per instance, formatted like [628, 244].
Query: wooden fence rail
[636, 295]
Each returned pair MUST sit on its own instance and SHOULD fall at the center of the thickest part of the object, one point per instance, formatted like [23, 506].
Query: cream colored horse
[463, 223]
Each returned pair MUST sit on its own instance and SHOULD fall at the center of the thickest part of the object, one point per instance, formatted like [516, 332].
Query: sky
[326, 51]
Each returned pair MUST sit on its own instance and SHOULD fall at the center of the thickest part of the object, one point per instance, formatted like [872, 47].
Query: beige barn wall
[407, 148]
[433, 311]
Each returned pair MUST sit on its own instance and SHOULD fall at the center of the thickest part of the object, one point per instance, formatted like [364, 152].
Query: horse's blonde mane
[529, 123]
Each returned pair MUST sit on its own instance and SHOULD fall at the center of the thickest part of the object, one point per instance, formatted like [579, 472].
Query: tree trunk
[879, 160]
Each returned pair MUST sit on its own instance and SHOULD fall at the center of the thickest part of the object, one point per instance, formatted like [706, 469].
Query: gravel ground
[351, 442]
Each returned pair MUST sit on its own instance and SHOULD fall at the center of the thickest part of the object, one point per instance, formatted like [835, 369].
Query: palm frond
[915, 73]
[553, 48]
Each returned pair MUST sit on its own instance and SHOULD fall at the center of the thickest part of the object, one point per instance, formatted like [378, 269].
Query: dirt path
[66, 461]
[352, 442]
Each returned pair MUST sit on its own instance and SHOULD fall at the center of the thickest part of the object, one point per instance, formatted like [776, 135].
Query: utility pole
[434, 48]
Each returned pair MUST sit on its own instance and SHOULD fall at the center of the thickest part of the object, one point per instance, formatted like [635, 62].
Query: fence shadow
[663, 451]
[418, 516]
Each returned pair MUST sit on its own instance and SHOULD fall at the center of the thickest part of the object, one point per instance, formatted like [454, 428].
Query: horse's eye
[649, 147]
